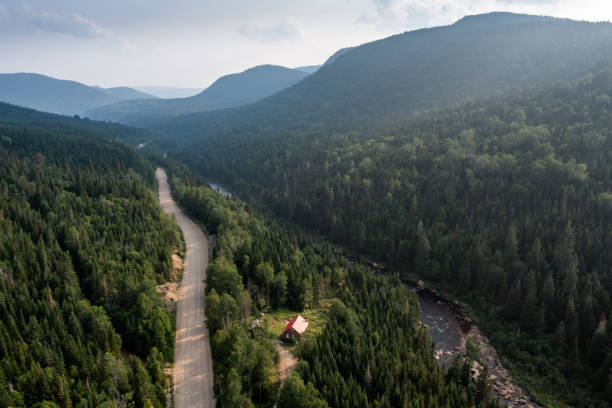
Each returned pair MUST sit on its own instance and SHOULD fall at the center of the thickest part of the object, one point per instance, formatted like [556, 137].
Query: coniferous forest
[472, 161]
[505, 203]
[373, 351]
[83, 245]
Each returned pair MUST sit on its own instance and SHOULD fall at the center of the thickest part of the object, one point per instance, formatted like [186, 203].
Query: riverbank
[451, 326]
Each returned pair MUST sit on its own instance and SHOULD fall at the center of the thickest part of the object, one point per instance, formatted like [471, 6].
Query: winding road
[193, 373]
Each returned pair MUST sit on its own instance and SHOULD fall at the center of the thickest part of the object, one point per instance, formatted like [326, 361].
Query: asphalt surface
[193, 373]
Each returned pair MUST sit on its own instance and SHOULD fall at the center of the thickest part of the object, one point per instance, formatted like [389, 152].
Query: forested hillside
[506, 203]
[15, 117]
[83, 245]
[380, 82]
[372, 352]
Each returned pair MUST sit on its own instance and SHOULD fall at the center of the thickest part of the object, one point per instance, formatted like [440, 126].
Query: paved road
[193, 373]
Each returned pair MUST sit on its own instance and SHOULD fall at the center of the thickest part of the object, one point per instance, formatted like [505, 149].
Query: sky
[190, 43]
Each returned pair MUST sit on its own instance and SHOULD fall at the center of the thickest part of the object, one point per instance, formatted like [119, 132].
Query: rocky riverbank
[451, 326]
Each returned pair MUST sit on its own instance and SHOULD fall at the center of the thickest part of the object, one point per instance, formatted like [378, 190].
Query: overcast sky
[189, 43]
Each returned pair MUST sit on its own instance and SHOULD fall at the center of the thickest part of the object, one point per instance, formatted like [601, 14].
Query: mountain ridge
[415, 72]
[227, 91]
[59, 96]
[125, 93]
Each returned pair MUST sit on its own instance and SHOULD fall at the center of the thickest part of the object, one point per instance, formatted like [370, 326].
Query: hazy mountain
[337, 54]
[124, 93]
[248, 86]
[53, 95]
[309, 68]
[418, 71]
[48, 94]
[168, 92]
[230, 90]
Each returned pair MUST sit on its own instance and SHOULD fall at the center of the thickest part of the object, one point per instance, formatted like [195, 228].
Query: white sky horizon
[191, 43]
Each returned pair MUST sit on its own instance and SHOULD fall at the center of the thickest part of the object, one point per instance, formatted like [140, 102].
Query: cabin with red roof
[295, 329]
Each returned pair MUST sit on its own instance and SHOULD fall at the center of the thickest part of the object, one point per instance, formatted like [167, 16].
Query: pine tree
[560, 337]
[571, 320]
[280, 287]
[547, 292]
[540, 319]
[307, 295]
[232, 395]
[572, 365]
[483, 385]
[511, 255]
[535, 256]
[512, 307]
[529, 311]
[566, 260]
[422, 248]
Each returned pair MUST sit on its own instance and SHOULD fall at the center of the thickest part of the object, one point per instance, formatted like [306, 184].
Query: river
[444, 326]
[450, 327]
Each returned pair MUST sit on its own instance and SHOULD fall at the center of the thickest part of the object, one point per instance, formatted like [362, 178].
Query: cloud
[21, 18]
[285, 30]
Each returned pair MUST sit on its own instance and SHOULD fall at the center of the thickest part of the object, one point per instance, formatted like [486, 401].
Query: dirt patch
[286, 364]
[177, 265]
[170, 290]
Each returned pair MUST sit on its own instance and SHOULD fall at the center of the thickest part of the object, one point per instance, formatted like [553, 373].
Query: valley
[210, 244]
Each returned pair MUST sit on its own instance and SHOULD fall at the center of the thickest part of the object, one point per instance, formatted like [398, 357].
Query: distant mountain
[53, 95]
[249, 86]
[309, 68]
[168, 92]
[338, 54]
[124, 93]
[230, 90]
[48, 94]
[418, 71]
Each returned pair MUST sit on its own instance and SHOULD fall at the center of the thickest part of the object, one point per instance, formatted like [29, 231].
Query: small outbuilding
[295, 329]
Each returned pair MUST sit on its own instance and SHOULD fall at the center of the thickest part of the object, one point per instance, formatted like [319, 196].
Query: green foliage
[472, 350]
[295, 394]
[501, 202]
[83, 243]
[374, 323]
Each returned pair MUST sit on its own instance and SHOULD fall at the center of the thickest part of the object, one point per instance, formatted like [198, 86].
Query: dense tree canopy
[506, 203]
[373, 350]
[83, 243]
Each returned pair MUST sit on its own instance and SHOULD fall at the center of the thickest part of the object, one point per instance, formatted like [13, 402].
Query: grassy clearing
[276, 320]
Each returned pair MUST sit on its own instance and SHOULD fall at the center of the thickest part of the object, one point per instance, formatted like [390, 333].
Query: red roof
[298, 323]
